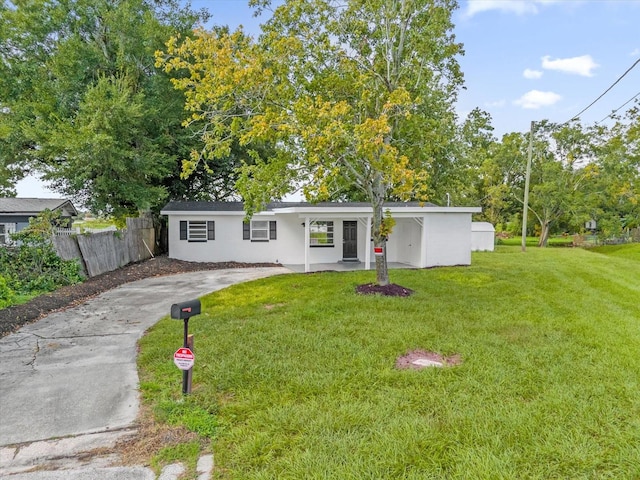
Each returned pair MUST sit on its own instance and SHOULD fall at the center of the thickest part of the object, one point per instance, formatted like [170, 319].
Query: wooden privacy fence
[106, 251]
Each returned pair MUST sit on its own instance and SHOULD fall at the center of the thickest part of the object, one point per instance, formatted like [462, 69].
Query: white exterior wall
[285, 249]
[394, 246]
[448, 239]
[210, 251]
[229, 245]
[334, 254]
[404, 242]
[482, 237]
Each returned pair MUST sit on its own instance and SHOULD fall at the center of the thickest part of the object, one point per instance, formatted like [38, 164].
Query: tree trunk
[379, 241]
[382, 270]
[544, 234]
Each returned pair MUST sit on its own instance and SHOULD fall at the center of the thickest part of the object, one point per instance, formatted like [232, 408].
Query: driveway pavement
[69, 384]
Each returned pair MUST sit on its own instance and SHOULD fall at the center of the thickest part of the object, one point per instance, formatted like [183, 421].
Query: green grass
[20, 299]
[9, 298]
[295, 377]
[559, 241]
[186, 453]
[97, 223]
[630, 251]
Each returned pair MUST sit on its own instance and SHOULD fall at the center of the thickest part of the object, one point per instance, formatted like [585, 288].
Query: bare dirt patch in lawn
[418, 359]
[150, 438]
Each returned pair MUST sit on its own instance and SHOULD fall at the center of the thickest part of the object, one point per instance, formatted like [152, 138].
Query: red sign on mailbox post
[184, 358]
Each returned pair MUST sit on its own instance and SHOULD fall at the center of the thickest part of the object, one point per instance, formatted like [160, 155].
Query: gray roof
[179, 206]
[33, 206]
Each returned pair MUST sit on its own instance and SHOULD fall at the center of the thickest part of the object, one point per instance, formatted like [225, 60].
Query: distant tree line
[578, 174]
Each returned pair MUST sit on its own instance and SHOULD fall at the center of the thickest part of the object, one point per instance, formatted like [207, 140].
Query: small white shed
[482, 237]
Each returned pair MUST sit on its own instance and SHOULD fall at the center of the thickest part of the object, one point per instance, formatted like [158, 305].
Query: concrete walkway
[69, 382]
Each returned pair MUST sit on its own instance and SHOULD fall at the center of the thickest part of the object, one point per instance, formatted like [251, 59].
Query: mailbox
[183, 310]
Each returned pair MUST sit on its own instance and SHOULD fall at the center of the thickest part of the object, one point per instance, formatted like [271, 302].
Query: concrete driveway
[69, 381]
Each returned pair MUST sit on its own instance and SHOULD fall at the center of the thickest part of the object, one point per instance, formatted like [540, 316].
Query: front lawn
[630, 251]
[295, 375]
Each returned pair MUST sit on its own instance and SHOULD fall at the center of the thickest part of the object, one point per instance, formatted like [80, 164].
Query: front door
[349, 240]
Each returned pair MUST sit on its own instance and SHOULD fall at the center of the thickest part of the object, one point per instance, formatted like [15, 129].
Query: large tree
[356, 99]
[81, 102]
[475, 172]
[500, 180]
[612, 194]
[557, 175]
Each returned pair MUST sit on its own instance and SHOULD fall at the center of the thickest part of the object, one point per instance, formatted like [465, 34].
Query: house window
[321, 234]
[259, 230]
[197, 230]
[6, 229]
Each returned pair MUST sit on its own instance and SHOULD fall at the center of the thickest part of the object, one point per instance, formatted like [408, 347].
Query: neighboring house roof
[33, 206]
[304, 207]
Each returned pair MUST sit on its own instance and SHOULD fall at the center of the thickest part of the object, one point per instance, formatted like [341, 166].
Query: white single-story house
[483, 237]
[308, 234]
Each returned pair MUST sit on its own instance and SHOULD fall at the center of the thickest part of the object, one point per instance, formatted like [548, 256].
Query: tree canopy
[82, 103]
[355, 99]
[337, 100]
[578, 174]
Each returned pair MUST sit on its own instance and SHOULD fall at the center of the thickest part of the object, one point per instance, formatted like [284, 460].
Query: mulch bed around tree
[12, 318]
[390, 290]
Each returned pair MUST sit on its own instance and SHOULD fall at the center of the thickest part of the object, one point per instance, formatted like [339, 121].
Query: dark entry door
[349, 240]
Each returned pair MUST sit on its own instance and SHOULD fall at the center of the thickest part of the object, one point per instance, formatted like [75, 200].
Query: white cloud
[635, 53]
[497, 103]
[577, 65]
[519, 7]
[535, 99]
[531, 74]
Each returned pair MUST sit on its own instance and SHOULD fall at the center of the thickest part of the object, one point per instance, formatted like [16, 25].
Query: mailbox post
[184, 311]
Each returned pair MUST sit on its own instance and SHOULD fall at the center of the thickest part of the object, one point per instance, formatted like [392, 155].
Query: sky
[525, 60]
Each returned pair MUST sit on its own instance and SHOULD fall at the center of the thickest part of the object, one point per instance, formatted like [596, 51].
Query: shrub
[7, 295]
[32, 266]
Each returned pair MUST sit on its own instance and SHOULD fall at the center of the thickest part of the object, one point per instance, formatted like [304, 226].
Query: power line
[603, 93]
[612, 113]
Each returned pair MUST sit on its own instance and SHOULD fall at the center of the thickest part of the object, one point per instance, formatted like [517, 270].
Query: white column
[307, 236]
[367, 245]
[423, 244]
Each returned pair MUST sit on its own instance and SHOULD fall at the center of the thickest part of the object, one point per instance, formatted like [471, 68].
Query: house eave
[364, 211]
[222, 213]
[329, 211]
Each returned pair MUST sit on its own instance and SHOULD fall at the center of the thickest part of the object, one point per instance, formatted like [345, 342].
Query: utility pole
[526, 192]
